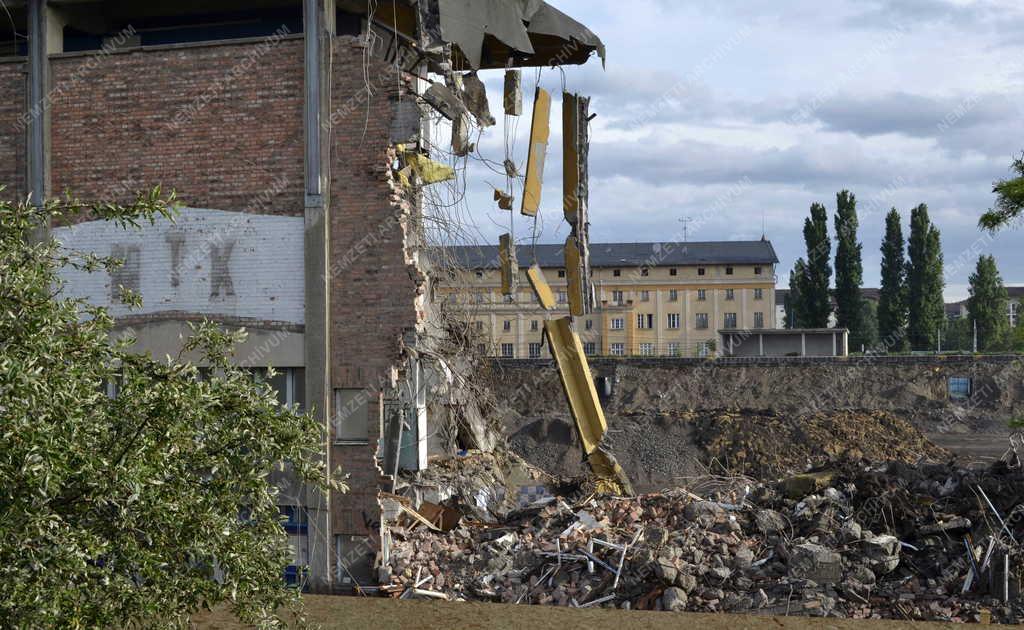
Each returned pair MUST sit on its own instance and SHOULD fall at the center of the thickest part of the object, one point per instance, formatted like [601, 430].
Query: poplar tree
[988, 305]
[925, 306]
[816, 299]
[892, 299]
[849, 270]
[794, 300]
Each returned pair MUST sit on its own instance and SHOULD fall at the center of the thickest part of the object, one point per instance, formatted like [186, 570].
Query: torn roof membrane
[489, 33]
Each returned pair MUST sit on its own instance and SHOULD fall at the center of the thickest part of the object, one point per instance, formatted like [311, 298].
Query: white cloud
[716, 84]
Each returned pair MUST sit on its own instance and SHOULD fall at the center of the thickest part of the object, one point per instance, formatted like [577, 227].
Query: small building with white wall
[774, 342]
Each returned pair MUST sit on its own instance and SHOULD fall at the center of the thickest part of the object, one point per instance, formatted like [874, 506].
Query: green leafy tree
[1017, 336]
[892, 299]
[849, 270]
[988, 305]
[816, 298]
[869, 318]
[136, 510]
[957, 335]
[794, 299]
[1009, 199]
[925, 282]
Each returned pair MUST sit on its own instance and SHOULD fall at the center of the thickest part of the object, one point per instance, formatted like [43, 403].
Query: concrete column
[834, 348]
[318, 20]
[803, 344]
[743, 323]
[685, 324]
[659, 321]
[760, 343]
[39, 113]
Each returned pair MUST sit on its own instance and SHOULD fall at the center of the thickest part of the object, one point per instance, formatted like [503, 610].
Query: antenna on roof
[764, 225]
[686, 225]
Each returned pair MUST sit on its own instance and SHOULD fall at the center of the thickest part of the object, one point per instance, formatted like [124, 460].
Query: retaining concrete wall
[644, 393]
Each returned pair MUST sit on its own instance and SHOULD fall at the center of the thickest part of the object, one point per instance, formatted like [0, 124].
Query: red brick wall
[12, 138]
[373, 287]
[221, 124]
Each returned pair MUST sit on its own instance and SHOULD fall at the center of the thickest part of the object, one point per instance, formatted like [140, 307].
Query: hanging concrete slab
[513, 93]
[541, 289]
[509, 266]
[540, 133]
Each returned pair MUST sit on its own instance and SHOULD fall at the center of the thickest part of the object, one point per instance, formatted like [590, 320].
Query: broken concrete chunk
[815, 563]
[674, 599]
[863, 575]
[850, 532]
[720, 573]
[475, 98]
[856, 591]
[444, 101]
[461, 146]
[706, 513]
[665, 569]
[956, 525]
[504, 199]
[800, 486]
[882, 553]
[770, 521]
[743, 558]
[513, 93]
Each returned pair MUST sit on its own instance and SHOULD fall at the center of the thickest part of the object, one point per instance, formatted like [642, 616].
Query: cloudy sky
[738, 114]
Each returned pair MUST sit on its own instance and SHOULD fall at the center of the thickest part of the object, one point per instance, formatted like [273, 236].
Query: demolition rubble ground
[918, 537]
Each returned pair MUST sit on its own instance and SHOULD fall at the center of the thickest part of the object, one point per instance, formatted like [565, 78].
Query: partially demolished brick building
[285, 128]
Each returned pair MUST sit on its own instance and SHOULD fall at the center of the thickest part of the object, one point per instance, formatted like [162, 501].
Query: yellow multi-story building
[651, 299]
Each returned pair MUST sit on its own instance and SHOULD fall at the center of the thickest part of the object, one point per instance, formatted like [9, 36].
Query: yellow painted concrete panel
[540, 132]
[577, 382]
[544, 294]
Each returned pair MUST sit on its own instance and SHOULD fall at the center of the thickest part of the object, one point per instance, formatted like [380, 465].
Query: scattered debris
[896, 541]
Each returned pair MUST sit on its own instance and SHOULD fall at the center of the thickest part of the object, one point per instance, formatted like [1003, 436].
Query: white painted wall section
[205, 262]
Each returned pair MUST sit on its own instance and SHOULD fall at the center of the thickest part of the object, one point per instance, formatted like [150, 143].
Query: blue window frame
[296, 523]
[959, 388]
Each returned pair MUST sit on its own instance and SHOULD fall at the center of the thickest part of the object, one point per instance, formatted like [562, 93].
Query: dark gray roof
[625, 254]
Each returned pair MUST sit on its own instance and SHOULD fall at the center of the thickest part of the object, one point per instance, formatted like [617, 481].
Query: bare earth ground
[384, 614]
[973, 447]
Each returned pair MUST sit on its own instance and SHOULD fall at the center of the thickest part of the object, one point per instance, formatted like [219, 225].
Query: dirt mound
[665, 449]
[767, 446]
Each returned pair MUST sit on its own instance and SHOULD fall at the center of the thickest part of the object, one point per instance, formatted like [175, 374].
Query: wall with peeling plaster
[207, 262]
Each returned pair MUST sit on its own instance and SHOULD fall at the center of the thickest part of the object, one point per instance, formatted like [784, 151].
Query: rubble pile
[929, 542]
